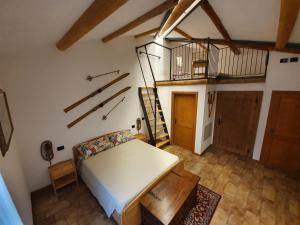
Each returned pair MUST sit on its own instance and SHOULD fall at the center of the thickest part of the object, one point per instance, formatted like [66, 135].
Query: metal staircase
[156, 125]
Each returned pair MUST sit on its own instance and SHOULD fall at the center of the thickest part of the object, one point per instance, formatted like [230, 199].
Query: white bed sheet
[116, 176]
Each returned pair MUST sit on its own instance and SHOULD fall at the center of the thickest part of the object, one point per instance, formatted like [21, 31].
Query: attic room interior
[150, 112]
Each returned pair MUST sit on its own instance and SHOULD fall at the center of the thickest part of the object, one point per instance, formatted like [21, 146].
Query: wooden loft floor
[211, 81]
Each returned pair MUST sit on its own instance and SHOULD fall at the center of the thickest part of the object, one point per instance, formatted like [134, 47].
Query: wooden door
[281, 148]
[236, 121]
[184, 114]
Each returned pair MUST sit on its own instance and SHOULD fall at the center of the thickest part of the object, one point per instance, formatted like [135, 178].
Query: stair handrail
[154, 111]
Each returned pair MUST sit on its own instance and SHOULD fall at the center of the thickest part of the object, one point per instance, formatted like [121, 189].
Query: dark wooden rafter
[164, 20]
[93, 15]
[177, 12]
[138, 21]
[189, 37]
[262, 45]
[184, 34]
[209, 10]
[154, 30]
[288, 15]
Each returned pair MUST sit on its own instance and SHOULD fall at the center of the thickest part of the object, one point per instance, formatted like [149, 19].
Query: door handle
[272, 131]
[175, 121]
[219, 121]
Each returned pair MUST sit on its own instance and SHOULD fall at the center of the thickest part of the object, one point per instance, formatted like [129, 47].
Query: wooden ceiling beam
[188, 37]
[142, 19]
[154, 30]
[177, 12]
[209, 10]
[262, 45]
[95, 14]
[182, 33]
[288, 15]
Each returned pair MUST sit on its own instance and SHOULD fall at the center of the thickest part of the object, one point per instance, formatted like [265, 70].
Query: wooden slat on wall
[288, 15]
[95, 14]
[138, 21]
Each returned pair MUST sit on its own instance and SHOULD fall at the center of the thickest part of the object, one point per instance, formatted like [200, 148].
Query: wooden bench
[170, 200]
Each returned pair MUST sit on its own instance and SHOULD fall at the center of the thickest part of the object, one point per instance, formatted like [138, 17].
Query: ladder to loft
[147, 99]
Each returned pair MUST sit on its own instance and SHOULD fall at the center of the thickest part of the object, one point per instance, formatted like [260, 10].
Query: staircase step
[152, 119]
[161, 136]
[162, 143]
[152, 99]
[159, 130]
[146, 94]
[157, 111]
[158, 124]
[145, 88]
[149, 105]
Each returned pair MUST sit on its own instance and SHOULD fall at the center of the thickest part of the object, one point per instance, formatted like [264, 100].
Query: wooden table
[62, 174]
[169, 202]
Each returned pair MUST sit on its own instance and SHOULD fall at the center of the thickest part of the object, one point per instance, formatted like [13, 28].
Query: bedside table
[62, 174]
[141, 137]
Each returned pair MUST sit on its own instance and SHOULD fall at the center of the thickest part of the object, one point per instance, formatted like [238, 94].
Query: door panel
[184, 119]
[281, 148]
[236, 121]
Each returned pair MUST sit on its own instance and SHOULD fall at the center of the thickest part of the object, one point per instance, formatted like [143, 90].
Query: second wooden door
[236, 122]
[184, 111]
[281, 148]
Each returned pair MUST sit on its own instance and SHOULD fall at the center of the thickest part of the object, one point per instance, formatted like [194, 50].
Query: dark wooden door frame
[172, 114]
[255, 120]
[265, 152]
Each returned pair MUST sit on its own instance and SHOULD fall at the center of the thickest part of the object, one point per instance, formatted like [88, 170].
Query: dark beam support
[147, 32]
[94, 15]
[177, 12]
[209, 10]
[288, 15]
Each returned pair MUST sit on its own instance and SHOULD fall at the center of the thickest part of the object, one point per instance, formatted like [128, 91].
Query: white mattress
[116, 176]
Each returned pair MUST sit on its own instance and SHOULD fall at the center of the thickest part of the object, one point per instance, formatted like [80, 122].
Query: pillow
[121, 137]
[93, 147]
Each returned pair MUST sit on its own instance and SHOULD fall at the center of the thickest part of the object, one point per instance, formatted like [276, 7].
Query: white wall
[11, 169]
[279, 77]
[165, 96]
[42, 82]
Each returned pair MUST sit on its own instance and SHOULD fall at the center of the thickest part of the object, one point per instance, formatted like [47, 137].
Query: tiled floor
[251, 194]
[72, 206]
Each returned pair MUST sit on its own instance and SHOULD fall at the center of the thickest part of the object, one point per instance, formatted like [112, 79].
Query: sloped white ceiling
[255, 20]
[33, 23]
[198, 25]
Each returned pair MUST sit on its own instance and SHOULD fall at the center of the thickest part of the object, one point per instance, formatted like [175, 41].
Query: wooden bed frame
[131, 214]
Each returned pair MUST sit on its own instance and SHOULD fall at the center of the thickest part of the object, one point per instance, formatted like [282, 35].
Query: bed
[120, 176]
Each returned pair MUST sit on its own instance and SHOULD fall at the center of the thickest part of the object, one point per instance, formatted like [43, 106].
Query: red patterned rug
[202, 213]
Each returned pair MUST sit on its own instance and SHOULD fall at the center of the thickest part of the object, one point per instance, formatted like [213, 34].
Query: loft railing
[202, 60]
[249, 63]
[199, 59]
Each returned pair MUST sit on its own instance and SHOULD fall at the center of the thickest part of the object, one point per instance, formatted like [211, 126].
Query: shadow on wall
[8, 211]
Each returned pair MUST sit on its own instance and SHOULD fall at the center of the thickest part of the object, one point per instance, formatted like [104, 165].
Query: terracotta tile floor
[251, 194]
